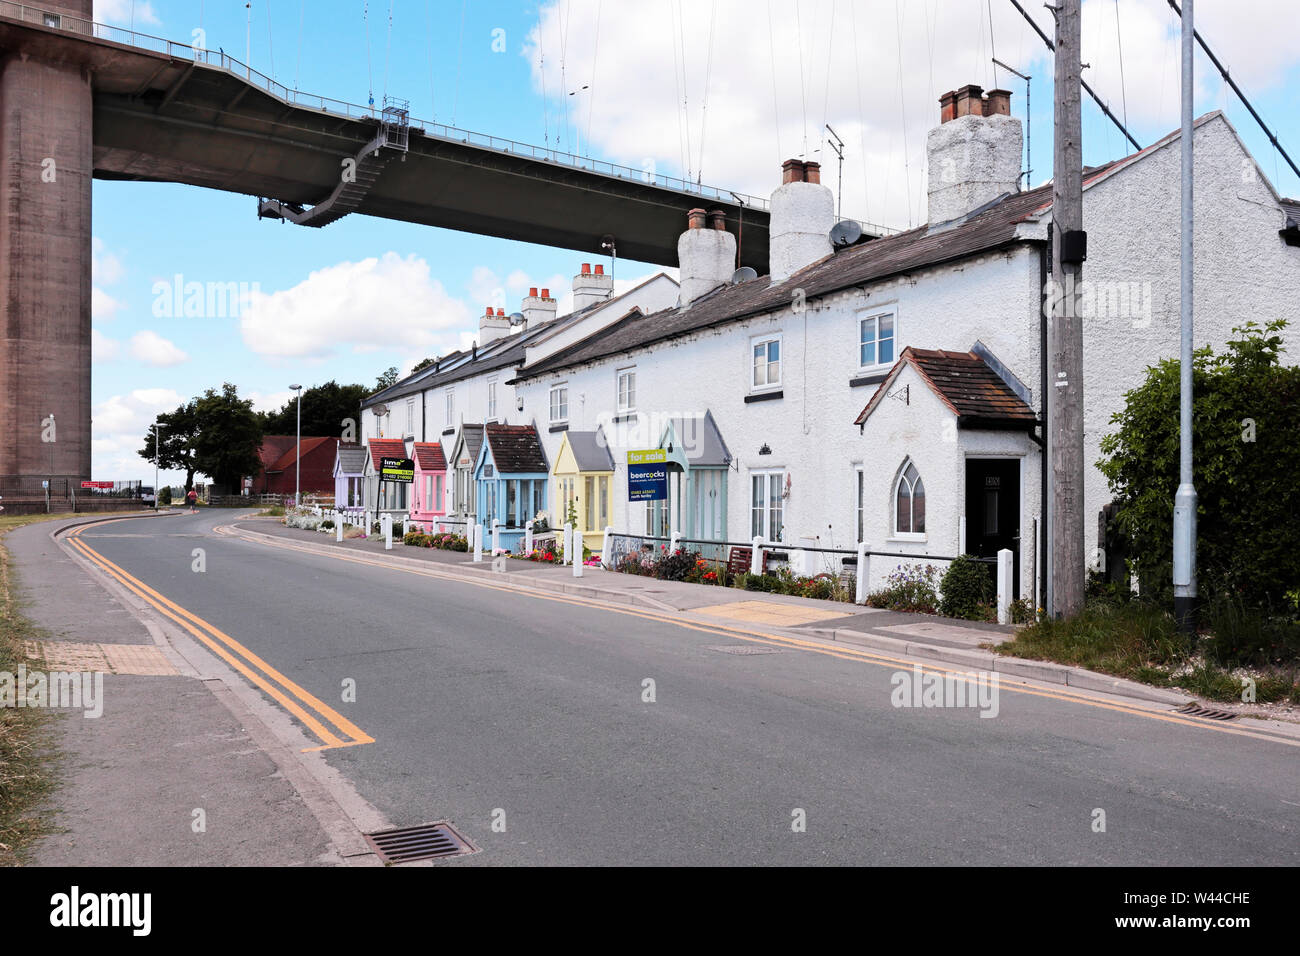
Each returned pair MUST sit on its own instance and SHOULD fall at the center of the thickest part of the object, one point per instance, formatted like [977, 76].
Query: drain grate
[744, 649]
[1196, 710]
[429, 841]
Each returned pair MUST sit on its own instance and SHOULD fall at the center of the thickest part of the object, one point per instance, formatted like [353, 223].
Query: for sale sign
[397, 469]
[647, 475]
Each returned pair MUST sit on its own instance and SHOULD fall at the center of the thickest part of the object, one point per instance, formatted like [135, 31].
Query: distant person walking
[193, 498]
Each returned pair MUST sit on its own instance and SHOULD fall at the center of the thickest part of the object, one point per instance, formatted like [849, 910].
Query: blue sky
[720, 91]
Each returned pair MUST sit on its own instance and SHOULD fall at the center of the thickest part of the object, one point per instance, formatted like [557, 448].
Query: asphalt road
[482, 701]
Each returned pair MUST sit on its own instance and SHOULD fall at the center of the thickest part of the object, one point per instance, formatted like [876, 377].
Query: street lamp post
[156, 452]
[297, 455]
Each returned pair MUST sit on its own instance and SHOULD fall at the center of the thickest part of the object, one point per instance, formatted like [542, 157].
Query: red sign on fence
[97, 484]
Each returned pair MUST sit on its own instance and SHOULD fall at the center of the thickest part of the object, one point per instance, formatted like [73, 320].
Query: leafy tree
[324, 407]
[1246, 436]
[421, 365]
[177, 433]
[389, 378]
[229, 435]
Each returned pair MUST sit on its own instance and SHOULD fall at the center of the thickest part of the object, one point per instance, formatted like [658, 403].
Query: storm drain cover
[744, 649]
[429, 841]
[1196, 710]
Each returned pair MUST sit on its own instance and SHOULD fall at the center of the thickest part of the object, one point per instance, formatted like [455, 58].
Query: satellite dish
[379, 410]
[845, 234]
[743, 274]
[517, 318]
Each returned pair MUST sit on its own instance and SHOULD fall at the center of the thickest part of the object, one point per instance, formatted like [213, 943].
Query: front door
[993, 512]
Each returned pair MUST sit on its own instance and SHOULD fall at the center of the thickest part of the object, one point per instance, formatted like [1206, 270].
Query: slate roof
[988, 228]
[516, 449]
[351, 458]
[429, 456]
[591, 451]
[701, 441]
[964, 382]
[473, 438]
[381, 448]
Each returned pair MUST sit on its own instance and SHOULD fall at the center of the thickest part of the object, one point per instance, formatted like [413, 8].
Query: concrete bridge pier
[46, 166]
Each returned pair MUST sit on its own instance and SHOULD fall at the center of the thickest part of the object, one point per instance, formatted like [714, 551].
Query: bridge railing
[219, 59]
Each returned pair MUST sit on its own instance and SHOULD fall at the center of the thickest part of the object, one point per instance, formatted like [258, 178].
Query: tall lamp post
[156, 452]
[297, 459]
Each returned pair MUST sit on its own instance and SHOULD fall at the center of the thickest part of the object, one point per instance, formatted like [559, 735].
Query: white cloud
[385, 302]
[105, 269]
[271, 401]
[103, 307]
[125, 12]
[118, 428]
[872, 69]
[102, 348]
[151, 348]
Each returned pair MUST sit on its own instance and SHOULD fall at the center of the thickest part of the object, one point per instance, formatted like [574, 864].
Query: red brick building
[279, 457]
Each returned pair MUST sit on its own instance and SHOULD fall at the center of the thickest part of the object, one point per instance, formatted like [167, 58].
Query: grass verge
[27, 771]
[1139, 641]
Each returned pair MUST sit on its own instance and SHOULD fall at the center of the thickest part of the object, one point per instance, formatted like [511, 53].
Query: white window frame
[767, 474]
[764, 340]
[492, 399]
[449, 398]
[893, 502]
[553, 406]
[410, 416]
[878, 314]
[860, 500]
[628, 403]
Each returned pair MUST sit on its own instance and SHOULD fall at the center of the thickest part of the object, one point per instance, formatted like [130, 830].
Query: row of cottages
[893, 390]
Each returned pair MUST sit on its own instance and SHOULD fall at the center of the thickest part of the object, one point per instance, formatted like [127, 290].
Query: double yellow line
[332, 728]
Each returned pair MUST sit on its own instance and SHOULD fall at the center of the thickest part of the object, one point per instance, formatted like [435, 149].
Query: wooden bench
[739, 560]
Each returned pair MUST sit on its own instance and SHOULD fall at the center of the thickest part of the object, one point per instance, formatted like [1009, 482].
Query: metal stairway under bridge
[393, 137]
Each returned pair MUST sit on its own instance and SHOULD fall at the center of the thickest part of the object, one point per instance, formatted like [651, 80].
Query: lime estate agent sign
[647, 475]
[396, 469]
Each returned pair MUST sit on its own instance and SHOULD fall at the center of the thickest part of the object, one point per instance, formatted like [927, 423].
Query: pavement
[175, 770]
[609, 727]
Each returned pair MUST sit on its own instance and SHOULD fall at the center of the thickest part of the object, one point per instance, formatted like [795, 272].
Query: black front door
[993, 511]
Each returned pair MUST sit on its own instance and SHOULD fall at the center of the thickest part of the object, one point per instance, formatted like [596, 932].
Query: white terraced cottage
[891, 390]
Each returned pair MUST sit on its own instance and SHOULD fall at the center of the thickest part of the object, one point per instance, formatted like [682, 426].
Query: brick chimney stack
[706, 254]
[974, 154]
[538, 308]
[493, 325]
[803, 212]
[591, 286]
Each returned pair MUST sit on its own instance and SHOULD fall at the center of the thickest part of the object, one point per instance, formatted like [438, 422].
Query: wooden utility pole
[1065, 333]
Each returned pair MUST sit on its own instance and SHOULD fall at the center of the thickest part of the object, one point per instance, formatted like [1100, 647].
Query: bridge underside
[92, 107]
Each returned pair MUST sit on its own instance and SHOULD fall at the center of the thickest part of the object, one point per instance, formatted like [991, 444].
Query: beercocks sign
[647, 475]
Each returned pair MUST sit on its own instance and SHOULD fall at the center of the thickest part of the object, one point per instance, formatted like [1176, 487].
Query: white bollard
[338, 528]
[496, 535]
[756, 556]
[674, 542]
[1005, 566]
[604, 548]
[864, 575]
[388, 531]
[476, 541]
[568, 542]
[578, 542]
[528, 537]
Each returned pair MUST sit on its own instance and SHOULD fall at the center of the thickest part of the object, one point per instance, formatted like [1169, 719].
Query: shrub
[909, 588]
[677, 566]
[966, 590]
[327, 525]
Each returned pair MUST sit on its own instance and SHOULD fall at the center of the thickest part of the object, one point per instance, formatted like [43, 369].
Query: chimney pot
[532, 292]
[546, 293]
[948, 106]
[718, 219]
[812, 172]
[695, 219]
[586, 268]
[791, 171]
[998, 103]
[600, 270]
[969, 100]
[488, 313]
